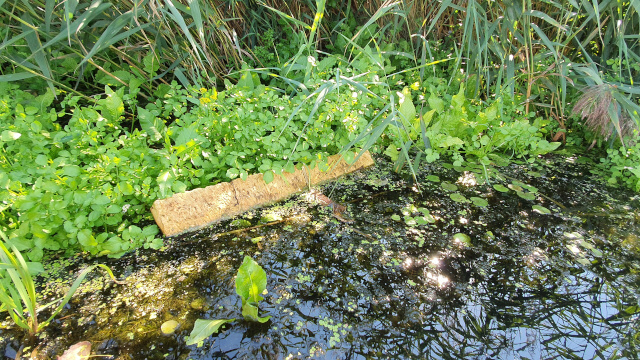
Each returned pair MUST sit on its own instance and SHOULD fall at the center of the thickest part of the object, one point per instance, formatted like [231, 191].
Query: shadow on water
[395, 282]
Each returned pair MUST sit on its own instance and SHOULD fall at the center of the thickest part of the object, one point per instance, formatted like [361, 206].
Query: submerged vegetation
[106, 107]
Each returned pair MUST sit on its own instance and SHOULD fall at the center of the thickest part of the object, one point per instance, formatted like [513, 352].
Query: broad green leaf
[86, 239]
[35, 254]
[433, 178]
[126, 188]
[112, 105]
[436, 103]
[248, 80]
[268, 177]
[179, 187]
[152, 125]
[501, 188]
[407, 110]
[165, 180]
[114, 209]
[478, 201]
[150, 230]
[233, 173]
[202, 329]
[71, 170]
[410, 221]
[458, 100]
[251, 281]
[541, 209]
[186, 136]
[113, 245]
[457, 197]
[463, 238]
[151, 63]
[101, 200]
[8, 135]
[526, 195]
[448, 186]
[250, 312]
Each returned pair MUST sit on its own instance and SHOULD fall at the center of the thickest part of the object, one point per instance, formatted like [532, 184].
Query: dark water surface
[395, 282]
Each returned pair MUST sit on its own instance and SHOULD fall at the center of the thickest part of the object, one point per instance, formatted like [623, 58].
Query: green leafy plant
[18, 294]
[251, 282]
[622, 166]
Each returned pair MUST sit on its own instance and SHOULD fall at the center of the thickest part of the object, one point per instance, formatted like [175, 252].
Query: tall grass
[71, 44]
[530, 50]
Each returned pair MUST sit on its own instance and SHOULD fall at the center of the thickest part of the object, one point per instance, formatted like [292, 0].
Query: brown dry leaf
[79, 351]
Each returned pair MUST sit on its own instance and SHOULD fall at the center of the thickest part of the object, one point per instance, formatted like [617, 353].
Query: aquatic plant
[251, 282]
[18, 294]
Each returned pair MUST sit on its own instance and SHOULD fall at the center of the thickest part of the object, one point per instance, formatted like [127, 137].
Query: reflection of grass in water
[560, 311]
[518, 291]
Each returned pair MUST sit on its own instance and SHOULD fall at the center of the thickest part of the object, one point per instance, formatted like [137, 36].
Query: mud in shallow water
[395, 283]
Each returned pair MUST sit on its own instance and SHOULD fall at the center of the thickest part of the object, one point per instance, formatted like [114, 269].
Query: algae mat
[199, 208]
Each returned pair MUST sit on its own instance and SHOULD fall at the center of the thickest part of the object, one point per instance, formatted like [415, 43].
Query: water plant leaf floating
[79, 351]
[478, 201]
[395, 217]
[515, 187]
[462, 238]
[448, 186]
[526, 195]
[202, 329]
[500, 188]
[591, 247]
[457, 197]
[433, 178]
[541, 209]
[169, 327]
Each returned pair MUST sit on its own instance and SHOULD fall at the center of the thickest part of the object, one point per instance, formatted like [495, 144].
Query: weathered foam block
[199, 208]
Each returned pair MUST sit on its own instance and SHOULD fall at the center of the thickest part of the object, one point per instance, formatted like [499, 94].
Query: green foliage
[202, 329]
[82, 186]
[622, 167]
[18, 294]
[251, 282]
[59, 44]
[455, 126]
[88, 184]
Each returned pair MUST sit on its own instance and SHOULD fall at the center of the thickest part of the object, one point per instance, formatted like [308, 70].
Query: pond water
[541, 262]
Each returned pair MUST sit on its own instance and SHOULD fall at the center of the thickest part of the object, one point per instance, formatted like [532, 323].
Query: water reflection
[525, 286]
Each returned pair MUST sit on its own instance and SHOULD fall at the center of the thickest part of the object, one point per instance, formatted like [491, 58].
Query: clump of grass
[602, 113]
